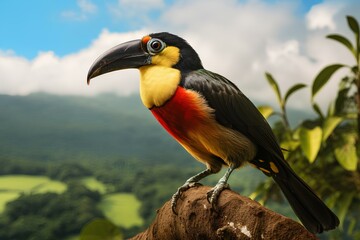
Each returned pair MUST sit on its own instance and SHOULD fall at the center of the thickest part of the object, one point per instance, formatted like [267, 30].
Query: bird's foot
[179, 192]
[214, 193]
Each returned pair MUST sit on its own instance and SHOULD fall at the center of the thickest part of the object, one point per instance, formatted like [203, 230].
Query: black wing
[234, 110]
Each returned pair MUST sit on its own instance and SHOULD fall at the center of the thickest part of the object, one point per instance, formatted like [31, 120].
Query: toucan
[211, 118]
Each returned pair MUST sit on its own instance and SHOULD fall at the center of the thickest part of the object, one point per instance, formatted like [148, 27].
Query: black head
[189, 59]
[154, 49]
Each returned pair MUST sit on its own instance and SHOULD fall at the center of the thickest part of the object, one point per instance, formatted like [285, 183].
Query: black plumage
[234, 110]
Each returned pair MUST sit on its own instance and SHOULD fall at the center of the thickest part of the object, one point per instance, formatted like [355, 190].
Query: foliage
[68, 171]
[49, 215]
[21, 166]
[100, 229]
[153, 184]
[325, 150]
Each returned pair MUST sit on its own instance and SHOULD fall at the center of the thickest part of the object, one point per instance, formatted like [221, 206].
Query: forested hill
[47, 127]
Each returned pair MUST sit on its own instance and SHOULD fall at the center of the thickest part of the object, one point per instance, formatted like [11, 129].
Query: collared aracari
[211, 118]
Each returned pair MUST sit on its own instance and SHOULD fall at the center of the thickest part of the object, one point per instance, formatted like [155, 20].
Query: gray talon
[213, 195]
[179, 192]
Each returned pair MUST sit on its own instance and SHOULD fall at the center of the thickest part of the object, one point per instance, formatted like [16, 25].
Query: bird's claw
[179, 192]
[213, 195]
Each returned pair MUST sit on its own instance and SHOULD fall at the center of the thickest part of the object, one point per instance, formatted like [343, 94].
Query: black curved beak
[126, 55]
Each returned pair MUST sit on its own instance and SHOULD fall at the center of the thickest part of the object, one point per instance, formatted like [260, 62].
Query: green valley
[68, 159]
[122, 209]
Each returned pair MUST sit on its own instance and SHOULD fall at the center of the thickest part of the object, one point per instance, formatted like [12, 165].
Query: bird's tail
[309, 208]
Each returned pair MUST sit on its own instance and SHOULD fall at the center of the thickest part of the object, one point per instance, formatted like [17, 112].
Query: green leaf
[323, 77]
[355, 70]
[100, 229]
[310, 142]
[318, 110]
[290, 146]
[344, 204]
[333, 199]
[266, 111]
[329, 125]
[331, 109]
[343, 40]
[262, 192]
[352, 225]
[292, 90]
[341, 99]
[353, 24]
[345, 154]
[275, 87]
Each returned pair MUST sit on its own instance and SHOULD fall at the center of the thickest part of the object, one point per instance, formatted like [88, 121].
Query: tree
[68, 171]
[325, 150]
[50, 215]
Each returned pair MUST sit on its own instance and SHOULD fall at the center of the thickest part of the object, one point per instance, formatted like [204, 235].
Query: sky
[48, 46]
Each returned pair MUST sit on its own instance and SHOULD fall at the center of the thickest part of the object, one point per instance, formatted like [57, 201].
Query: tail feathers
[309, 208]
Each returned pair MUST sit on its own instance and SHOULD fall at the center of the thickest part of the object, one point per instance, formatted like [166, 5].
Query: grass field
[122, 209]
[30, 184]
[11, 186]
[94, 185]
[6, 197]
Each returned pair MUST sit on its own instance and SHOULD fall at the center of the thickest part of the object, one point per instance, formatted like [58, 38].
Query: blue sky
[48, 46]
[39, 25]
[29, 27]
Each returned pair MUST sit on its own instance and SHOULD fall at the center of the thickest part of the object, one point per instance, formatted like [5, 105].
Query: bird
[212, 119]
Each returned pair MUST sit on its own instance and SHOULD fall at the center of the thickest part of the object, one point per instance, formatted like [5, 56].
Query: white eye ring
[154, 46]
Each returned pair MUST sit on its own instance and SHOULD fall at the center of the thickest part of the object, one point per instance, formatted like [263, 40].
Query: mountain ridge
[52, 127]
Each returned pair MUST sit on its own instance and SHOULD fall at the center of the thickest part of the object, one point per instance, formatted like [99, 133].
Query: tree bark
[237, 217]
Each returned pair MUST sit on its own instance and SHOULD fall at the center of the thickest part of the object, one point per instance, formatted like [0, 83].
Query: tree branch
[238, 217]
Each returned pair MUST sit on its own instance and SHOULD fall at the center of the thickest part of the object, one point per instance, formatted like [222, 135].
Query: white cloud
[66, 75]
[86, 7]
[240, 40]
[243, 40]
[322, 15]
[136, 10]
[142, 4]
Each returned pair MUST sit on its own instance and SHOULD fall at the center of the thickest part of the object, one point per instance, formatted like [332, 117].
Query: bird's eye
[155, 46]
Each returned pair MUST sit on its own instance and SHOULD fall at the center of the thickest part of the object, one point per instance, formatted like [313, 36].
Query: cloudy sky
[48, 46]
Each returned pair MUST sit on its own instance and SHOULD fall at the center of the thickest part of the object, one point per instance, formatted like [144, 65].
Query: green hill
[48, 127]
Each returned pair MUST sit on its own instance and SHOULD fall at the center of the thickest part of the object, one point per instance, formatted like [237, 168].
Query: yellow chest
[158, 84]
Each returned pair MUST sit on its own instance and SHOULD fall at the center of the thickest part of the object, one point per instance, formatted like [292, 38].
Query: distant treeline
[59, 128]
[56, 216]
